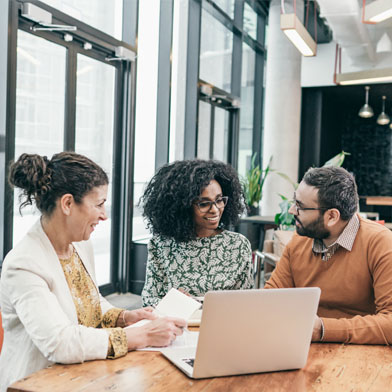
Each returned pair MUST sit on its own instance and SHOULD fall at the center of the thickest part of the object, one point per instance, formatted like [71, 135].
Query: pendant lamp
[366, 111]
[383, 118]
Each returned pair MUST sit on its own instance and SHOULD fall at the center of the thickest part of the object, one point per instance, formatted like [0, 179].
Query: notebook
[250, 331]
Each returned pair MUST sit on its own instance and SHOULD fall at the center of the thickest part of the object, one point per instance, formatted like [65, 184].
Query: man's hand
[317, 329]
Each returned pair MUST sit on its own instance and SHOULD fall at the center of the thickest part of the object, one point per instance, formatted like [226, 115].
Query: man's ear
[332, 216]
[65, 203]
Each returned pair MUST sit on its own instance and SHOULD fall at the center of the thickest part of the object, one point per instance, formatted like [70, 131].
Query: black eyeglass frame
[224, 198]
[298, 209]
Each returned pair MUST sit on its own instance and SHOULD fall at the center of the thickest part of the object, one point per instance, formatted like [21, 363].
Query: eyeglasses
[298, 208]
[205, 205]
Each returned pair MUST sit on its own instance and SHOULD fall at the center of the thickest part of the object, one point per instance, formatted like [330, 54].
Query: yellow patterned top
[86, 299]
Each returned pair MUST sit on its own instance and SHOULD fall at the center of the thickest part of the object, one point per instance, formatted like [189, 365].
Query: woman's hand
[158, 333]
[128, 317]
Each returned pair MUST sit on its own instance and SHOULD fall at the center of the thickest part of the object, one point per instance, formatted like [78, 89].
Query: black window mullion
[234, 124]
[117, 266]
[212, 131]
[258, 95]
[70, 100]
[236, 73]
[7, 207]
[164, 84]
[192, 75]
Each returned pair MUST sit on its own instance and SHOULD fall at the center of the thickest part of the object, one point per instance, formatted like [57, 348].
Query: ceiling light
[361, 77]
[366, 110]
[383, 118]
[297, 34]
[378, 11]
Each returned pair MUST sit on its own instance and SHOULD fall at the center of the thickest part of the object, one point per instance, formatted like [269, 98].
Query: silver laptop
[250, 331]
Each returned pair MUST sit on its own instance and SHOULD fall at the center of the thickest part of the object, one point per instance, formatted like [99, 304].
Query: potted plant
[253, 185]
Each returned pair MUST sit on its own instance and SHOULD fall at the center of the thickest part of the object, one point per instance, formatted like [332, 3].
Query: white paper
[173, 304]
[187, 339]
[177, 304]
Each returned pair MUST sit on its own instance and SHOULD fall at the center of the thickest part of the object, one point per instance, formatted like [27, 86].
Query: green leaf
[337, 160]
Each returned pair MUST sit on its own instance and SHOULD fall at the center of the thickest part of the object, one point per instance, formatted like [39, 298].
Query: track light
[297, 34]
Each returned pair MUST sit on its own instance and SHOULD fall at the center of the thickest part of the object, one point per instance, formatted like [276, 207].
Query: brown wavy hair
[44, 181]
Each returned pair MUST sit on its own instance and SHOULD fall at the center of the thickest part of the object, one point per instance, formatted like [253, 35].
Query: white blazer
[39, 316]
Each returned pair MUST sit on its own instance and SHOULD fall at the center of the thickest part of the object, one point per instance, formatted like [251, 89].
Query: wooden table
[330, 367]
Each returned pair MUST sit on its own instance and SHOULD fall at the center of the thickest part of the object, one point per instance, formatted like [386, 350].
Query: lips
[213, 218]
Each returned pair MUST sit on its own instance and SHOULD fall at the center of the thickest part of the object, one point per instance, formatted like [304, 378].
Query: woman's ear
[65, 203]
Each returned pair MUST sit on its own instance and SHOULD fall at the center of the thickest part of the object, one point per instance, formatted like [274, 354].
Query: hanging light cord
[282, 10]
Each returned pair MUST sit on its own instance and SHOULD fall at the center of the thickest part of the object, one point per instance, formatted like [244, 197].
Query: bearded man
[348, 257]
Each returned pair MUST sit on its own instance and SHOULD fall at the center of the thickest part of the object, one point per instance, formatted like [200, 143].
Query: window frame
[123, 139]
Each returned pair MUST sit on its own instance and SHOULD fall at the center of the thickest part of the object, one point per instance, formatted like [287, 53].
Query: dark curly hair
[43, 181]
[167, 200]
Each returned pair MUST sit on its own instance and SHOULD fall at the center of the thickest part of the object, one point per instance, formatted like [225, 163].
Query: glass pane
[94, 138]
[216, 45]
[226, 6]
[221, 134]
[247, 107]
[204, 130]
[250, 21]
[103, 15]
[40, 94]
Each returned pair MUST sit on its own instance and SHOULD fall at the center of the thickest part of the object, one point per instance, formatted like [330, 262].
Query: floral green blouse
[221, 262]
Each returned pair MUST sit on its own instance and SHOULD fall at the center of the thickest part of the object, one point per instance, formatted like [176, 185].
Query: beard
[315, 229]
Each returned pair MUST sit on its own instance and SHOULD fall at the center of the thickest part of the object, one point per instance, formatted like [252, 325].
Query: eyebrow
[207, 199]
[297, 201]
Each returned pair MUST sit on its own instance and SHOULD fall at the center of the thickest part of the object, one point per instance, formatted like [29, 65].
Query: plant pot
[254, 211]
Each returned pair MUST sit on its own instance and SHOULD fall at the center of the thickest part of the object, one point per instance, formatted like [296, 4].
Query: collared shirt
[345, 240]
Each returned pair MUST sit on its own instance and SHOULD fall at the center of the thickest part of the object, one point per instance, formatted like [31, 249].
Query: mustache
[297, 220]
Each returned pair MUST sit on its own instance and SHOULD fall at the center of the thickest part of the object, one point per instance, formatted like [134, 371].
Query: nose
[103, 215]
[293, 210]
[214, 207]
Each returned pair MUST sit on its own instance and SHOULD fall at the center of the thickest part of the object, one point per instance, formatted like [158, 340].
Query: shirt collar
[345, 240]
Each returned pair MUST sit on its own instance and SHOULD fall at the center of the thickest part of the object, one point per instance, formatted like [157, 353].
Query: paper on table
[173, 304]
[187, 339]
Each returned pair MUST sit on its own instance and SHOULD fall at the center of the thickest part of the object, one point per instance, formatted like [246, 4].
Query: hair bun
[32, 174]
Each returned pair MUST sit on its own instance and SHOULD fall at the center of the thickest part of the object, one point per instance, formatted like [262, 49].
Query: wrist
[121, 320]
[137, 338]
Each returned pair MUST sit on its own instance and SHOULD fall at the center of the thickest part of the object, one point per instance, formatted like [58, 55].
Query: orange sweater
[356, 286]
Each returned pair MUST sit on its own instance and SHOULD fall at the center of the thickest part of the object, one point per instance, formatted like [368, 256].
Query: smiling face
[87, 214]
[206, 223]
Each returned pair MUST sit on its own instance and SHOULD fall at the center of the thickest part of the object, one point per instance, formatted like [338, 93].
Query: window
[103, 15]
[40, 95]
[94, 138]
[216, 45]
[69, 96]
[247, 108]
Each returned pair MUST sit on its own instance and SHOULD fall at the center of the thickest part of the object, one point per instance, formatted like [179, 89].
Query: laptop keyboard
[189, 361]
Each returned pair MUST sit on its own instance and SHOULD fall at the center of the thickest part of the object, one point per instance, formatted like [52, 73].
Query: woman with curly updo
[188, 206]
[51, 307]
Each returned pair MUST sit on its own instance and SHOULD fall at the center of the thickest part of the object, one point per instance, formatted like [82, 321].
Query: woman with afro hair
[189, 205]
